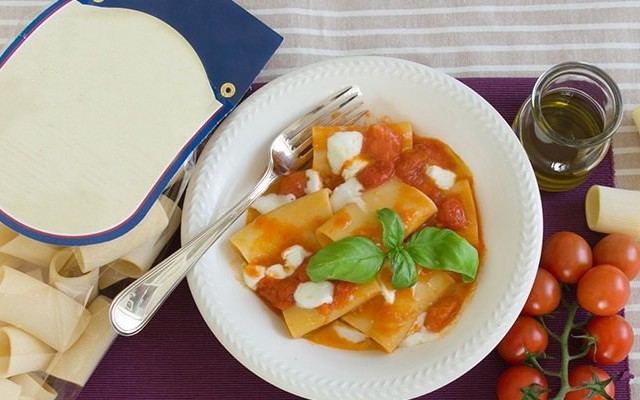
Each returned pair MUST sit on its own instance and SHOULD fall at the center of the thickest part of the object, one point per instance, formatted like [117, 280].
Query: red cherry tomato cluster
[601, 279]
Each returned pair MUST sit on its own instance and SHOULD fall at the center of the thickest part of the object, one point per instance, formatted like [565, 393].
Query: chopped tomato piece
[294, 183]
[440, 314]
[451, 214]
[376, 174]
[279, 292]
[381, 143]
[342, 292]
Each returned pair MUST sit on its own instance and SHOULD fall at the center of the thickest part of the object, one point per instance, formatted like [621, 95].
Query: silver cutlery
[291, 150]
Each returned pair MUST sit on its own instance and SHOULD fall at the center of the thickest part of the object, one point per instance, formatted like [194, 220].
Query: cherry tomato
[603, 290]
[376, 174]
[545, 294]
[567, 256]
[294, 183]
[621, 251]
[381, 143]
[614, 337]
[526, 334]
[586, 374]
[517, 381]
[451, 214]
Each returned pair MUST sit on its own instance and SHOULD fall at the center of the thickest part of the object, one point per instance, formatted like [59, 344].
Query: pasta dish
[376, 246]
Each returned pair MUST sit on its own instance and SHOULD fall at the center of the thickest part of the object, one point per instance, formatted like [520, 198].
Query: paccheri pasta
[376, 246]
[53, 320]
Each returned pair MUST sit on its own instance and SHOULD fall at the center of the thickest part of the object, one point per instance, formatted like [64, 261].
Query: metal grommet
[227, 90]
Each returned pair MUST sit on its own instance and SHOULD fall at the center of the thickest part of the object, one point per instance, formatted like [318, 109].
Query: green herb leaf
[352, 259]
[404, 269]
[392, 228]
[444, 249]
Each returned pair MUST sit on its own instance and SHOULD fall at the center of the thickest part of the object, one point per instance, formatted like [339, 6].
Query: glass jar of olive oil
[566, 125]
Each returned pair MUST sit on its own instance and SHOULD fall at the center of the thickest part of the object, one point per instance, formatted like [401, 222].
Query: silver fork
[292, 149]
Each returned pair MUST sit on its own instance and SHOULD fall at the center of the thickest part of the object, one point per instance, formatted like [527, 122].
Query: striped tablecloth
[464, 38]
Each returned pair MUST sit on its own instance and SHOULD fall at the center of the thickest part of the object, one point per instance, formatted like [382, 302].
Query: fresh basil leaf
[443, 249]
[404, 269]
[352, 259]
[392, 228]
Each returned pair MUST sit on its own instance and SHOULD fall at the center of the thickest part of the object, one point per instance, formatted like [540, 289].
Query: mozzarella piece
[418, 334]
[270, 202]
[313, 294]
[353, 167]
[418, 338]
[314, 182]
[252, 274]
[350, 334]
[443, 178]
[294, 256]
[348, 192]
[388, 294]
[341, 147]
[278, 271]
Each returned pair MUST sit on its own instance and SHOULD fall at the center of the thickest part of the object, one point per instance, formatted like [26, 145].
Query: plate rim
[532, 235]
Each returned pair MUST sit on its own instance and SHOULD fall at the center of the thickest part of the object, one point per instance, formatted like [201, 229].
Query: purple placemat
[177, 356]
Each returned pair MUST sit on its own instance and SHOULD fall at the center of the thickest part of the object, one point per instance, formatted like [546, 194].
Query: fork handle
[134, 307]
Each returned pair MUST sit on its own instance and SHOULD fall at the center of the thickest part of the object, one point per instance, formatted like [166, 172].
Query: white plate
[437, 105]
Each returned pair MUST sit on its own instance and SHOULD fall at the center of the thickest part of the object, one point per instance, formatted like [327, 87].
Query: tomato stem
[551, 334]
[564, 348]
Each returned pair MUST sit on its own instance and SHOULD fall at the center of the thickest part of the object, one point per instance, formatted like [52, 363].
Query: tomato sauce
[294, 183]
[342, 292]
[279, 292]
[451, 214]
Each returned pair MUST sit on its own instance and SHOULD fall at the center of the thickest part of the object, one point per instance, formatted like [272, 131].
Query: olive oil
[555, 142]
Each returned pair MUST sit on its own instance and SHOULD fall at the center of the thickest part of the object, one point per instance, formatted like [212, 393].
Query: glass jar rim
[587, 70]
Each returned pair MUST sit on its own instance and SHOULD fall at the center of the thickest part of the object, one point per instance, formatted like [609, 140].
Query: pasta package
[98, 207]
[354, 252]
[53, 316]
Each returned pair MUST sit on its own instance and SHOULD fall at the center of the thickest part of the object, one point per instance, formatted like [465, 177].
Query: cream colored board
[136, 82]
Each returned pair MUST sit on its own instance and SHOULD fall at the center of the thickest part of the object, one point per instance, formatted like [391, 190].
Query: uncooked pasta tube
[76, 364]
[140, 260]
[22, 247]
[34, 387]
[613, 210]
[37, 308]
[96, 255]
[21, 352]
[9, 390]
[109, 276]
[66, 276]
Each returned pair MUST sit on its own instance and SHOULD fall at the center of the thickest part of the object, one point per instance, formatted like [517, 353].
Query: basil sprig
[358, 259]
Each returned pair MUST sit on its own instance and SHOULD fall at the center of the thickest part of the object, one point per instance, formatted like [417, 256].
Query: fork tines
[335, 110]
